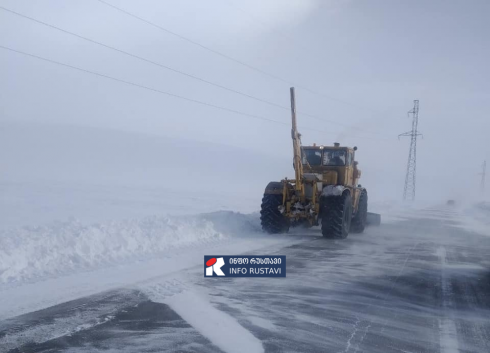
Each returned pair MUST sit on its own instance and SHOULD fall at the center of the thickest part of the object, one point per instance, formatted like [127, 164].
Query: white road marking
[195, 308]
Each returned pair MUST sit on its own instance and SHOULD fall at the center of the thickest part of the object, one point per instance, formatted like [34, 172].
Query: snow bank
[232, 222]
[59, 248]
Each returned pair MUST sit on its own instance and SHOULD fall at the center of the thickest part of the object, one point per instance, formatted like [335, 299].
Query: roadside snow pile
[61, 248]
[235, 223]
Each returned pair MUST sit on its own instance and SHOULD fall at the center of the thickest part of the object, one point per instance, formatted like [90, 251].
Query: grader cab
[324, 191]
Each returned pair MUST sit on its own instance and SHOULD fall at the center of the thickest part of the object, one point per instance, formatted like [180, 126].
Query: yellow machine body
[325, 186]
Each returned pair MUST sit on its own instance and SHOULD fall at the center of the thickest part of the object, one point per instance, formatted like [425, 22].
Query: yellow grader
[325, 190]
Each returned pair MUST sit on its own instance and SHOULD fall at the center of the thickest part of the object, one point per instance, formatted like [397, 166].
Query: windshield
[313, 156]
[334, 157]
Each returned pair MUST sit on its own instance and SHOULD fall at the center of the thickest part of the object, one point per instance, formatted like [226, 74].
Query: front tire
[336, 216]
[271, 219]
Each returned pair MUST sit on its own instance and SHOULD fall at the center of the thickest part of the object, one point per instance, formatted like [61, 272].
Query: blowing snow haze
[138, 137]
[366, 61]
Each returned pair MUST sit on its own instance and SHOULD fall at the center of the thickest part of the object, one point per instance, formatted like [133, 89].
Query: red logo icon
[211, 262]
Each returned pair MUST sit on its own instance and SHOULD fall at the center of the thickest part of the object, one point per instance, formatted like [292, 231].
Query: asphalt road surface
[418, 285]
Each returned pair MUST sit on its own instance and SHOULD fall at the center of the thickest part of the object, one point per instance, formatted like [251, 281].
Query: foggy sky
[372, 58]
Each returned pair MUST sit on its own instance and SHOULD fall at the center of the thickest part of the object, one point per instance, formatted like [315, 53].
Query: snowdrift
[30, 252]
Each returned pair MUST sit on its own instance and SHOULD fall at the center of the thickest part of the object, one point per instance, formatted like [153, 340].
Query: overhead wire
[228, 57]
[177, 71]
[141, 86]
[254, 116]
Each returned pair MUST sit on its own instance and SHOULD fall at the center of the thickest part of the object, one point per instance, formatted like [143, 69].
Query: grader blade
[373, 219]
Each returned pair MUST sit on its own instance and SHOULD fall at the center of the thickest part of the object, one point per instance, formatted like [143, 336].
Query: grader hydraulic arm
[296, 136]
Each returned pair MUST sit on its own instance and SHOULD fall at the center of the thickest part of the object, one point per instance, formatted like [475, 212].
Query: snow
[150, 227]
[447, 327]
[477, 218]
[31, 286]
[59, 248]
[28, 253]
[220, 328]
[161, 256]
[474, 216]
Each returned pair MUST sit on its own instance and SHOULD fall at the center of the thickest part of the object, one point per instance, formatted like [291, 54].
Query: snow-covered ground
[341, 295]
[161, 256]
[146, 224]
[110, 197]
[31, 253]
[477, 218]
[81, 258]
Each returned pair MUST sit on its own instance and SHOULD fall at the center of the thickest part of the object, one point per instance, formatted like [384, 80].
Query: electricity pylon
[411, 176]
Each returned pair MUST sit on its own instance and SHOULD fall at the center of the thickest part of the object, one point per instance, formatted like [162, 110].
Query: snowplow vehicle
[325, 190]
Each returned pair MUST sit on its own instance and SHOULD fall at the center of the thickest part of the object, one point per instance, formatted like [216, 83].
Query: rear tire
[336, 216]
[360, 219]
[271, 219]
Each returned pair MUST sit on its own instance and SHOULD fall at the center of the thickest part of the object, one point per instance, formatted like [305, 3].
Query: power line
[251, 67]
[288, 37]
[258, 117]
[142, 58]
[144, 87]
[195, 43]
[175, 70]
[410, 177]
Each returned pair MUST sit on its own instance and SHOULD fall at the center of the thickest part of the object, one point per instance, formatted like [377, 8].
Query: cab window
[313, 157]
[349, 158]
[334, 157]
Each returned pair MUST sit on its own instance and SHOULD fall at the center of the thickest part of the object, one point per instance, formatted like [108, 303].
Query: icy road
[420, 283]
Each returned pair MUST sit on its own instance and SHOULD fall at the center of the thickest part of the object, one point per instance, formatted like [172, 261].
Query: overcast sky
[358, 63]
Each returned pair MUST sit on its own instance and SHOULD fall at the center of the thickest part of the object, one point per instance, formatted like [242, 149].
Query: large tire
[360, 219]
[272, 220]
[336, 216]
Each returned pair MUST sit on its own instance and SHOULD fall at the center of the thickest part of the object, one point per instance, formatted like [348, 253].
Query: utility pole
[410, 177]
[483, 177]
